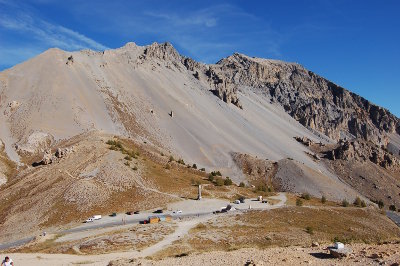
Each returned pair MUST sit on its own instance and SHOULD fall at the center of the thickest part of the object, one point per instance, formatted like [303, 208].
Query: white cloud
[48, 34]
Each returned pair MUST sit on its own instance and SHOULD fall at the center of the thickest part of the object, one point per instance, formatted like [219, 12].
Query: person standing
[7, 262]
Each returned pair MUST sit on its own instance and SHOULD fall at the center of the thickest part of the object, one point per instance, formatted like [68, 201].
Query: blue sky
[355, 44]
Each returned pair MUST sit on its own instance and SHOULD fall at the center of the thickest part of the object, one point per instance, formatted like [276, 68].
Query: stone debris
[49, 157]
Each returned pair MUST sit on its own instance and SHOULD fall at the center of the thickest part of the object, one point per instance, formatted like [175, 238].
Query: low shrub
[381, 204]
[345, 203]
[309, 230]
[194, 166]
[219, 181]
[392, 208]
[242, 184]
[323, 199]
[227, 181]
[357, 202]
[306, 196]
[299, 202]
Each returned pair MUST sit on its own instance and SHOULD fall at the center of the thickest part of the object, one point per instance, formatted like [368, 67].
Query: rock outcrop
[312, 100]
[49, 157]
[362, 151]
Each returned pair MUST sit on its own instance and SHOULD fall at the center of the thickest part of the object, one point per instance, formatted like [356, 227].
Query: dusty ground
[286, 227]
[363, 254]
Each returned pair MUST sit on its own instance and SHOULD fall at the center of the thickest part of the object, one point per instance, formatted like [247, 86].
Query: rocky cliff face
[312, 100]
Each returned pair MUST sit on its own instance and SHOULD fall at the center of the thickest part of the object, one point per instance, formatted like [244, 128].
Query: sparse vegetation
[203, 169]
[309, 230]
[128, 158]
[306, 196]
[392, 208]
[210, 178]
[299, 202]
[262, 188]
[219, 181]
[216, 173]
[167, 166]
[227, 181]
[134, 168]
[323, 200]
[194, 166]
[171, 159]
[381, 204]
[345, 203]
[242, 184]
[357, 202]
[127, 164]
[181, 161]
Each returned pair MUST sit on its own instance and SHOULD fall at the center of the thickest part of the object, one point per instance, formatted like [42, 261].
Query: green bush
[262, 188]
[242, 184]
[309, 230]
[180, 161]
[345, 203]
[381, 204]
[203, 169]
[323, 199]
[194, 166]
[210, 177]
[392, 208]
[216, 173]
[227, 181]
[306, 196]
[357, 202]
[299, 202]
[363, 204]
[219, 181]
[128, 158]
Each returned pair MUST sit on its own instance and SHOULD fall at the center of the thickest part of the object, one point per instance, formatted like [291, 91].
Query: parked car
[241, 199]
[136, 212]
[237, 202]
[178, 211]
[158, 211]
[96, 217]
[113, 214]
[89, 220]
[129, 213]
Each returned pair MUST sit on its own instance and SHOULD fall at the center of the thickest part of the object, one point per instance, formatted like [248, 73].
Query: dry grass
[291, 201]
[286, 227]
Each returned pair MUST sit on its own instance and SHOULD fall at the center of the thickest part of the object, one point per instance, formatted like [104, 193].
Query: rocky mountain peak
[162, 51]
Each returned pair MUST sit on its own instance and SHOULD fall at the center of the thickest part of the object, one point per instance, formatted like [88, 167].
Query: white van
[96, 217]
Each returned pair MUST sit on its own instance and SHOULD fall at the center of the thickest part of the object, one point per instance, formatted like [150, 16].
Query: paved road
[395, 217]
[17, 243]
[107, 221]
